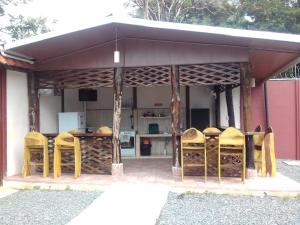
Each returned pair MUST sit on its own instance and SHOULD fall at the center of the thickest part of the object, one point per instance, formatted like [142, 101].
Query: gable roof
[53, 44]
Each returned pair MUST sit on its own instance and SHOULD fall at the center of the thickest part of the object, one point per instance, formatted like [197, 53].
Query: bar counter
[96, 153]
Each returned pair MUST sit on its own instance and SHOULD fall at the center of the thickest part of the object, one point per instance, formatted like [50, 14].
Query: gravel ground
[192, 209]
[292, 172]
[36, 207]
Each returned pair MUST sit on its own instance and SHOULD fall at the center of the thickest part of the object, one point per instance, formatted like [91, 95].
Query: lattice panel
[210, 74]
[147, 76]
[87, 78]
[96, 155]
[190, 75]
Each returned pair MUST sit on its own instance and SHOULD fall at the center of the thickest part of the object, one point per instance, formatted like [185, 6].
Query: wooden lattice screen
[190, 75]
[76, 78]
[147, 76]
[210, 74]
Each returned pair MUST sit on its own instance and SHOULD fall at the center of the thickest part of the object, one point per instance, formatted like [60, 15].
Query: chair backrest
[34, 138]
[192, 135]
[65, 139]
[212, 130]
[232, 136]
[104, 131]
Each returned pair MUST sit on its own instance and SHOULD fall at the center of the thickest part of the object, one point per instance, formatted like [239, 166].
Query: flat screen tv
[87, 95]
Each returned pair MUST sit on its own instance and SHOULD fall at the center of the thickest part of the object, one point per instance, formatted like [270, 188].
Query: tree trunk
[246, 95]
[217, 106]
[175, 113]
[230, 109]
[33, 101]
[117, 89]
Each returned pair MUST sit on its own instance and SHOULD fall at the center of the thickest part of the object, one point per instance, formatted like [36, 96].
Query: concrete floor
[159, 171]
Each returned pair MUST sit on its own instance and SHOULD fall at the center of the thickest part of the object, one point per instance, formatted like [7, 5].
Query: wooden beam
[229, 103]
[187, 107]
[33, 101]
[118, 92]
[3, 125]
[175, 113]
[246, 101]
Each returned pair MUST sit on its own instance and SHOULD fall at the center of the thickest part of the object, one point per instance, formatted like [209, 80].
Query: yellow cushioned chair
[212, 130]
[232, 143]
[66, 142]
[193, 141]
[104, 131]
[35, 142]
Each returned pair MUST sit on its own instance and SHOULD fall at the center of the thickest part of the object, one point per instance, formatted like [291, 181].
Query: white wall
[17, 120]
[100, 112]
[201, 97]
[236, 108]
[50, 106]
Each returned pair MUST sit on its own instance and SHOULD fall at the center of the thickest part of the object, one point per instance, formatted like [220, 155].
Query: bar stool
[66, 142]
[232, 143]
[193, 141]
[35, 142]
[212, 144]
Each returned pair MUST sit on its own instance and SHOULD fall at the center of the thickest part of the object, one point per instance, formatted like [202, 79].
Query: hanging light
[116, 52]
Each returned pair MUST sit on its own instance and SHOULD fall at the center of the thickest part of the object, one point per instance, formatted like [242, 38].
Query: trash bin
[145, 147]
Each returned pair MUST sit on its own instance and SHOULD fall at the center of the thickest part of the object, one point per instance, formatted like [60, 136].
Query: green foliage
[269, 15]
[21, 27]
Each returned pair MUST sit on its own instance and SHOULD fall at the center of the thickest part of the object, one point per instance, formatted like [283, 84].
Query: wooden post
[33, 101]
[217, 106]
[117, 89]
[62, 91]
[230, 109]
[175, 114]
[187, 107]
[246, 101]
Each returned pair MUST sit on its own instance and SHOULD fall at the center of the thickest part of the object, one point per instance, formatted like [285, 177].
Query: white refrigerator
[68, 121]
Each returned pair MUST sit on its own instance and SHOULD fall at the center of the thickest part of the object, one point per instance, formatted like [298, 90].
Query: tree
[4, 3]
[177, 10]
[271, 15]
[19, 27]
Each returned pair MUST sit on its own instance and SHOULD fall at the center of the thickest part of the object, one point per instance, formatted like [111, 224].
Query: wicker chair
[35, 142]
[232, 143]
[66, 142]
[211, 130]
[193, 141]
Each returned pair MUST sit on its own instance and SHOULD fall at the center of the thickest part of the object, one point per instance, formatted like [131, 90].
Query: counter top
[80, 135]
[155, 135]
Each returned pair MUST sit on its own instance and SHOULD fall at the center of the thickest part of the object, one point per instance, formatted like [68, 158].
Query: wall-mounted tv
[87, 95]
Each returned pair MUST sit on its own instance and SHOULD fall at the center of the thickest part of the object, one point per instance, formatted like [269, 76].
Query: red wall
[284, 115]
